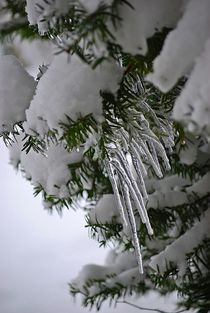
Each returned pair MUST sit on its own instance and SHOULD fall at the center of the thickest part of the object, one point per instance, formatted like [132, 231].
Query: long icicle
[111, 174]
[136, 189]
[138, 157]
[160, 149]
[153, 153]
[125, 164]
[132, 223]
[150, 158]
[122, 172]
[139, 175]
[132, 150]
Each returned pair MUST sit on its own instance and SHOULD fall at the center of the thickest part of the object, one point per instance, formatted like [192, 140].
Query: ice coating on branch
[50, 170]
[141, 19]
[129, 156]
[183, 45]
[39, 11]
[70, 88]
[16, 91]
[176, 252]
[193, 105]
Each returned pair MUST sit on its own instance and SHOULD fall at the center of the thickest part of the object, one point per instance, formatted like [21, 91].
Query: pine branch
[147, 309]
[17, 24]
[13, 24]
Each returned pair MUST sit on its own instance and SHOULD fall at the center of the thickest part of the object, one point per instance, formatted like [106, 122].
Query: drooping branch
[147, 309]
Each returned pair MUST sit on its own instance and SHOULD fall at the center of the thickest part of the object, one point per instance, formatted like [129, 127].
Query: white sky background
[41, 253]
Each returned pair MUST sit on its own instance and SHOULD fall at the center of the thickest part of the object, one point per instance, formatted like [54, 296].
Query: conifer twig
[147, 309]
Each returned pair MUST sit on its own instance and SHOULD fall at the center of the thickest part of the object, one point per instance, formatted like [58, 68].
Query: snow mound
[121, 269]
[193, 105]
[16, 88]
[141, 19]
[182, 46]
[49, 170]
[70, 88]
[40, 11]
[105, 210]
[176, 252]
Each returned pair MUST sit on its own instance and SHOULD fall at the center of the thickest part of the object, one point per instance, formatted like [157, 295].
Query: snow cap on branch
[121, 270]
[176, 252]
[182, 46]
[141, 19]
[193, 105]
[49, 170]
[16, 88]
[39, 11]
[105, 210]
[70, 88]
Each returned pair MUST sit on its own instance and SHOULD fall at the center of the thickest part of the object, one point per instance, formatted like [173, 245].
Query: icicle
[141, 207]
[149, 156]
[124, 140]
[169, 138]
[132, 224]
[154, 116]
[139, 175]
[125, 164]
[160, 149]
[138, 157]
[137, 197]
[140, 85]
[154, 153]
[110, 172]
[125, 178]
[137, 154]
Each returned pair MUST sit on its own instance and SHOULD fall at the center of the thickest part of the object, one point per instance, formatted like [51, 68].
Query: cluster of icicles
[139, 152]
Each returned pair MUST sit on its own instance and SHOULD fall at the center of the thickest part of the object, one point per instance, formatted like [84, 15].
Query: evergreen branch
[13, 24]
[17, 24]
[147, 309]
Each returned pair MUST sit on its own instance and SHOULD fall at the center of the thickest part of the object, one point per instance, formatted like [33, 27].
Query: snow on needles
[120, 268]
[49, 170]
[141, 19]
[186, 52]
[193, 105]
[105, 210]
[69, 88]
[176, 252]
[182, 46]
[39, 11]
[16, 89]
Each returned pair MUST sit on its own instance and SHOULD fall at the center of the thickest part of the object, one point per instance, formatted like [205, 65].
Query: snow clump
[186, 53]
[70, 88]
[16, 88]
[49, 170]
[40, 11]
[141, 19]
